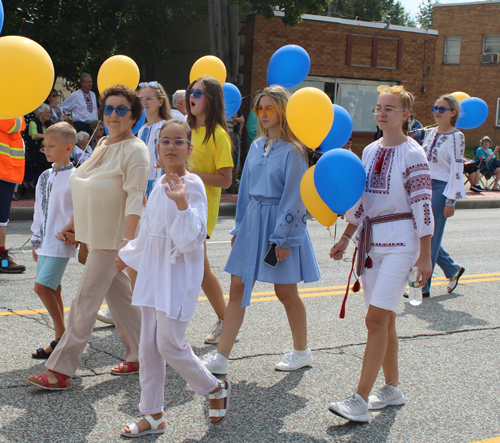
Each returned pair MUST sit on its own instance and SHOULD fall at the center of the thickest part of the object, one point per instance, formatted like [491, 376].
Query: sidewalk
[22, 210]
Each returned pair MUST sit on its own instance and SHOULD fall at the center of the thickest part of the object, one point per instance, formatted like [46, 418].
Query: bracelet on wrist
[126, 239]
[347, 236]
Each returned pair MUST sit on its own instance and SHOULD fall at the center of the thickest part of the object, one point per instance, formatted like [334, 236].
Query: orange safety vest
[12, 150]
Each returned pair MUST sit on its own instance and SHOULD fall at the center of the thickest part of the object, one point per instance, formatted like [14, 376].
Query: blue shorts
[50, 270]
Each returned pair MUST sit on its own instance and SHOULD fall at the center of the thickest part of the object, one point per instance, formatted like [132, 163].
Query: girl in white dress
[168, 255]
[394, 225]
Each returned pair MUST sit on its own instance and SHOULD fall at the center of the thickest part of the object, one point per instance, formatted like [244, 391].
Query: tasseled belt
[364, 246]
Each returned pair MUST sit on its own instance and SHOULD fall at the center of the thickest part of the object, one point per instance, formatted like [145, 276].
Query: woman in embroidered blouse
[56, 114]
[108, 192]
[394, 226]
[444, 146]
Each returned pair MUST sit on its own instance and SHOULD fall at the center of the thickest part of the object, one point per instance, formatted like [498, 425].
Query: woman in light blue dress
[270, 212]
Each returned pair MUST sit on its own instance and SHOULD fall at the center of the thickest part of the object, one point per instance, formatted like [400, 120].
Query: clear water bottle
[415, 294]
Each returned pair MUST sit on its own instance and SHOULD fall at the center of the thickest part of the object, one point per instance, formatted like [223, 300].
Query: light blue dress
[269, 210]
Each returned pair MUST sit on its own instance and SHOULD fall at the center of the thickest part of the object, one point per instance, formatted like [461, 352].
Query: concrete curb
[228, 209]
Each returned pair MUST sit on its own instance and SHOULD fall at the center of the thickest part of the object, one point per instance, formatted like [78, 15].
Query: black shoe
[8, 266]
[476, 188]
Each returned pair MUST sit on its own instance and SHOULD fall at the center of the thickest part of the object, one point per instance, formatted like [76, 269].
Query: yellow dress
[209, 158]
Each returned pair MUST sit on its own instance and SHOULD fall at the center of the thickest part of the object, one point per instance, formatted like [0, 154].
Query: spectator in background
[348, 145]
[82, 104]
[80, 154]
[251, 124]
[36, 132]
[234, 126]
[179, 104]
[490, 163]
[11, 172]
[416, 130]
[98, 134]
[56, 113]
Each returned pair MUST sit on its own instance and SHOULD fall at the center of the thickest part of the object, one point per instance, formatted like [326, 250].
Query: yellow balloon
[26, 76]
[460, 95]
[310, 116]
[312, 201]
[208, 66]
[118, 69]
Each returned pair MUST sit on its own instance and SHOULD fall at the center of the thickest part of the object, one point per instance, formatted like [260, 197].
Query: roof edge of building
[486, 2]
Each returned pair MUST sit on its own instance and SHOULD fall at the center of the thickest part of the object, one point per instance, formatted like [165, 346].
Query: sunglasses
[55, 94]
[268, 110]
[441, 109]
[152, 84]
[179, 143]
[196, 92]
[121, 110]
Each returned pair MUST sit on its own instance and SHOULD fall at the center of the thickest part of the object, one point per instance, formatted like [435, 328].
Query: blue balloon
[340, 133]
[1, 16]
[473, 113]
[232, 99]
[340, 179]
[288, 66]
[138, 125]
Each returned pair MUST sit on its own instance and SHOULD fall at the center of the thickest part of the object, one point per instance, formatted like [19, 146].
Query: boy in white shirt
[53, 211]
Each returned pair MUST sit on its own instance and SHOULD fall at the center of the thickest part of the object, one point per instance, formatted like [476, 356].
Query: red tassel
[368, 262]
[356, 286]
[342, 309]
[378, 166]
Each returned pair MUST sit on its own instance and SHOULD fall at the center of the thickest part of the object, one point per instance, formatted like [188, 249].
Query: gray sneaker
[214, 336]
[216, 366]
[353, 408]
[105, 316]
[387, 396]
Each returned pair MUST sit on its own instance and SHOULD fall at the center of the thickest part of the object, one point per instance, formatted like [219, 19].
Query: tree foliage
[425, 14]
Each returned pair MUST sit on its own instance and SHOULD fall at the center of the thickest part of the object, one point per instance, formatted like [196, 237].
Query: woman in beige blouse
[108, 192]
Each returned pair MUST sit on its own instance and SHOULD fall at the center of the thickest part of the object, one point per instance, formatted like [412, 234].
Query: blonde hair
[485, 138]
[64, 131]
[406, 98]
[165, 110]
[454, 105]
[279, 96]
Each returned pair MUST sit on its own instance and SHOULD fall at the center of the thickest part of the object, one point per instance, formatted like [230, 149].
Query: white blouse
[445, 154]
[150, 134]
[53, 211]
[397, 181]
[168, 252]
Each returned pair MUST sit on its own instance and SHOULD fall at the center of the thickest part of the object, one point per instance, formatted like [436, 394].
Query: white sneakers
[354, 408]
[218, 364]
[105, 316]
[294, 360]
[387, 396]
[214, 336]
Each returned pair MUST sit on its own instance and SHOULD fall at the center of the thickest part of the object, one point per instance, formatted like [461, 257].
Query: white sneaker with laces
[292, 361]
[214, 336]
[216, 364]
[105, 316]
[353, 408]
[387, 396]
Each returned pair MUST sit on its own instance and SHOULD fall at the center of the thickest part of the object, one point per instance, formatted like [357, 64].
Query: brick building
[467, 58]
[349, 59]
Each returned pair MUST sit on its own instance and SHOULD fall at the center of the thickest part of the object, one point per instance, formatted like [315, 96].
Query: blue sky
[412, 5]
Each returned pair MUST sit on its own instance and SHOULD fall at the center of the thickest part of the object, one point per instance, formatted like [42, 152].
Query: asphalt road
[449, 358]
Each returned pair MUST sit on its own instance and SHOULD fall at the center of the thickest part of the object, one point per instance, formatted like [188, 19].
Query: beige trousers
[99, 280]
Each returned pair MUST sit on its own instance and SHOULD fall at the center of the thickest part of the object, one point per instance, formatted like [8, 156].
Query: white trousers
[162, 341]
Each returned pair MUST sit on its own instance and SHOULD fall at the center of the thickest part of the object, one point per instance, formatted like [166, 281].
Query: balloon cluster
[335, 184]
[473, 111]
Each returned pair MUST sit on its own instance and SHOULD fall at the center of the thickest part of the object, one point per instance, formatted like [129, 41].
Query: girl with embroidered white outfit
[270, 211]
[53, 211]
[444, 146]
[157, 107]
[169, 255]
[393, 221]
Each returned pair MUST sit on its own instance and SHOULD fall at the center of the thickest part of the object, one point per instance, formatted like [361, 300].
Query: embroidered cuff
[36, 242]
[450, 202]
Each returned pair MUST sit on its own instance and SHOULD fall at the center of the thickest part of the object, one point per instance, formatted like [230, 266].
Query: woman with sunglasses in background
[270, 228]
[444, 146]
[157, 106]
[56, 114]
[394, 225]
[108, 192]
[212, 161]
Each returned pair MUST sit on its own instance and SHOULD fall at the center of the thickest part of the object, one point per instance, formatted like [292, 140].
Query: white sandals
[134, 430]
[453, 282]
[225, 390]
